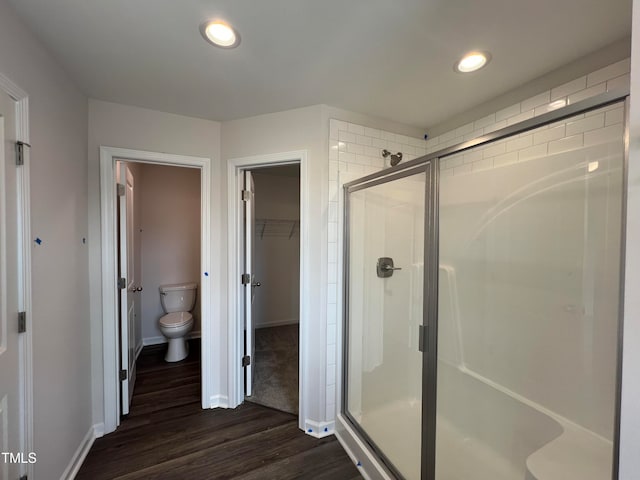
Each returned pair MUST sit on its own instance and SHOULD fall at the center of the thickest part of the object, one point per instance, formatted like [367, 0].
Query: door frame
[24, 266]
[109, 258]
[235, 328]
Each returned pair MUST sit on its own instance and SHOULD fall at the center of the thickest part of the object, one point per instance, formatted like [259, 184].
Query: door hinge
[246, 195]
[246, 361]
[22, 322]
[120, 189]
[423, 338]
[123, 375]
[20, 152]
[122, 283]
[246, 278]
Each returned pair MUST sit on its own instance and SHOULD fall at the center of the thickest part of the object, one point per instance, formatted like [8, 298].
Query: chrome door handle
[139, 289]
[385, 267]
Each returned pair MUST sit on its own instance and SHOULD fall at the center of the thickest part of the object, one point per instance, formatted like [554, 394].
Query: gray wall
[61, 335]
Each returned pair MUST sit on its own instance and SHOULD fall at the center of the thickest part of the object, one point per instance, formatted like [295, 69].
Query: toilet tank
[178, 297]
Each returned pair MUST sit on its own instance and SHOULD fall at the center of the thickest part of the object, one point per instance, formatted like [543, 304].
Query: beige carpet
[276, 368]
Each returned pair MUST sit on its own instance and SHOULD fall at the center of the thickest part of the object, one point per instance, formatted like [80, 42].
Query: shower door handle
[385, 267]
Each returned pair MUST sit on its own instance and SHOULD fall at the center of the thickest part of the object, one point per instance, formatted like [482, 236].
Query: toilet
[177, 301]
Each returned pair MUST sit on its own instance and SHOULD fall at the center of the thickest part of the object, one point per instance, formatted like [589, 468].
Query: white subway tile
[505, 159]
[390, 137]
[331, 334]
[520, 117]
[403, 139]
[464, 129]
[484, 121]
[372, 132]
[613, 117]
[331, 359]
[462, 169]
[566, 144]
[342, 146]
[417, 142]
[342, 166]
[473, 155]
[331, 375]
[495, 126]
[333, 212]
[372, 151]
[379, 143]
[420, 151]
[585, 124]
[361, 159]
[619, 83]
[549, 107]
[346, 136]
[333, 155]
[485, 164]
[612, 133]
[588, 93]
[376, 162]
[333, 130]
[332, 273]
[494, 150]
[569, 88]
[474, 134]
[355, 148]
[355, 168]
[445, 137]
[607, 73]
[520, 143]
[362, 140]
[448, 172]
[453, 161]
[357, 129]
[508, 112]
[331, 411]
[333, 168]
[536, 151]
[333, 190]
[332, 313]
[346, 157]
[548, 134]
[331, 389]
[533, 102]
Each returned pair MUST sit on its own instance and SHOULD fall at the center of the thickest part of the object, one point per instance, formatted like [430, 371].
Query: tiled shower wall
[357, 148]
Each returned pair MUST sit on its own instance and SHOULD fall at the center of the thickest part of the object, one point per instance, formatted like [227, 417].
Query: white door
[11, 368]
[248, 281]
[128, 287]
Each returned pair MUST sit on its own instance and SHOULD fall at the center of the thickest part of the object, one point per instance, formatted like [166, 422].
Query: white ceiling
[388, 58]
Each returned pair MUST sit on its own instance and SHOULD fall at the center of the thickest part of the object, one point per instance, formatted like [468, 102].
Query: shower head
[395, 159]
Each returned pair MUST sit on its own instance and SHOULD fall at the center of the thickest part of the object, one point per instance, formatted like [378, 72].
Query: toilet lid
[176, 319]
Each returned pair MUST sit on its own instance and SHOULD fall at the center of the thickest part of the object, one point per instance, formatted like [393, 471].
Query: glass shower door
[384, 291]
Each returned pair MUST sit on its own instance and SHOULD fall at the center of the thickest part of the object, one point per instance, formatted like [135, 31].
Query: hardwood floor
[168, 436]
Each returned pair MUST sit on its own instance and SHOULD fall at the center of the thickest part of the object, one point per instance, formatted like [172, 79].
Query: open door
[127, 287]
[248, 283]
[11, 367]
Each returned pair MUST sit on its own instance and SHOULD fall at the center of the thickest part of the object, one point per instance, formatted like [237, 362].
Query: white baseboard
[278, 323]
[219, 401]
[319, 429]
[81, 453]
[160, 340]
[368, 465]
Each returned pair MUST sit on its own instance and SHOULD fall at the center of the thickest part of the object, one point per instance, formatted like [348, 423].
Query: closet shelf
[272, 227]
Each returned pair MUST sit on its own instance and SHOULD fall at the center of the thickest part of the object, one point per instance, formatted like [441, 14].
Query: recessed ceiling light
[220, 34]
[472, 61]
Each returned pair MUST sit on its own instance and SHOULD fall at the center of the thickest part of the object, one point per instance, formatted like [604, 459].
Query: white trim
[159, 340]
[24, 264]
[319, 429]
[139, 350]
[81, 453]
[235, 332]
[219, 401]
[209, 316]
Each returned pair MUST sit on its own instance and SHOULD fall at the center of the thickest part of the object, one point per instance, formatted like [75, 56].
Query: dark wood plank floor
[168, 436]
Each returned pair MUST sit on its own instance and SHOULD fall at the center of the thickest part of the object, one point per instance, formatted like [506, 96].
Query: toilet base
[178, 350]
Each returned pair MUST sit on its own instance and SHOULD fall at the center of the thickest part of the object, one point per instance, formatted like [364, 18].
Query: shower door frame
[430, 164]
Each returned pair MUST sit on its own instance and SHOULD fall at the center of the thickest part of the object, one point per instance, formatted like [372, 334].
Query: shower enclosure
[482, 291]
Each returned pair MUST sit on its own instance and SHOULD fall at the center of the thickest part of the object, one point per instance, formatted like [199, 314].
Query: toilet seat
[175, 319]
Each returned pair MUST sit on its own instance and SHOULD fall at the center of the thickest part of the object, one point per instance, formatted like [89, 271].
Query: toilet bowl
[175, 327]
[177, 301]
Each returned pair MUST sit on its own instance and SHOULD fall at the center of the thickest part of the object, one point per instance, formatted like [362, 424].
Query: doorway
[207, 293]
[272, 239]
[158, 213]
